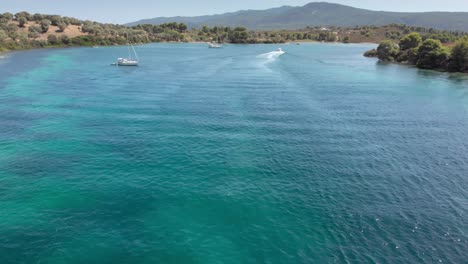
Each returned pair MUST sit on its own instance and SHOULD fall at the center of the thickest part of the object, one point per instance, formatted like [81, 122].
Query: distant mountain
[319, 14]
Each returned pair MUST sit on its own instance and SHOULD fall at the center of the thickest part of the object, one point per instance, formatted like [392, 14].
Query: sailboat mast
[128, 47]
[134, 52]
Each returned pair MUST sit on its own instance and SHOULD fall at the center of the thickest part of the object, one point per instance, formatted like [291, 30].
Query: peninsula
[424, 52]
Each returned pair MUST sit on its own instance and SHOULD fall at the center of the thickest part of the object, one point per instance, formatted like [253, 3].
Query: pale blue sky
[121, 11]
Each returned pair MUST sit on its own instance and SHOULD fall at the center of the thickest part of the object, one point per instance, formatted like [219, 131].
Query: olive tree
[3, 35]
[38, 17]
[22, 21]
[52, 39]
[7, 16]
[26, 15]
[45, 24]
[62, 26]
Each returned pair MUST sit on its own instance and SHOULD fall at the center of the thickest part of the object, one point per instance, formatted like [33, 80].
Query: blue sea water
[235, 155]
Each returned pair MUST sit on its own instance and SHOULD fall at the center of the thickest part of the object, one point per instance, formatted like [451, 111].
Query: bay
[233, 155]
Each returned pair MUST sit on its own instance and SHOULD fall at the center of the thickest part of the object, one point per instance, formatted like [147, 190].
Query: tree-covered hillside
[320, 14]
[24, 31]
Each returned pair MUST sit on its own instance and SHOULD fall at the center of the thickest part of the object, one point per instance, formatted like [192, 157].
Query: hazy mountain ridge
[320, 14]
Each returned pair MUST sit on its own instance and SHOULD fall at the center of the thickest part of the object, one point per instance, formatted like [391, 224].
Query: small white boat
[126, 62]
[214, 46]
[280, 50]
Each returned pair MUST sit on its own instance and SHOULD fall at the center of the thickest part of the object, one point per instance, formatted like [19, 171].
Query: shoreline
[464, 74]
[187, 42]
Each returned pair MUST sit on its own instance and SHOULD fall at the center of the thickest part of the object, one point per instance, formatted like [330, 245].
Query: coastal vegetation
[425, 52]
[426, 48]
[24, 30]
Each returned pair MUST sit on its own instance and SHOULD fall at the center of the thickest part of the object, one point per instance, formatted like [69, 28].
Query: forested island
[426, 47]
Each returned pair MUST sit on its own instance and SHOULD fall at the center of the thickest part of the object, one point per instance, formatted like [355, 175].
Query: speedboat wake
[271, 56]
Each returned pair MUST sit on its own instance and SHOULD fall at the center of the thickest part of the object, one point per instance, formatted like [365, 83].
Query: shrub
[35, 28]
[371, 53]
[52, 39]
[45, 25]
[3, 35]
[38, 17]
[62, 26]
[33, 34]
[65, 39]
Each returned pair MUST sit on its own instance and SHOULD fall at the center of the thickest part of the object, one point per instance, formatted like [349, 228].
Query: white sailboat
[129, 61]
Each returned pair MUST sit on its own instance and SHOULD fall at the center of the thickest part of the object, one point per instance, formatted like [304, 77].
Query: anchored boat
[129, 61]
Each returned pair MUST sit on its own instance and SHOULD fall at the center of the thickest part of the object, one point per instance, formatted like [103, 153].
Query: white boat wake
[268, 58]
[272, 56]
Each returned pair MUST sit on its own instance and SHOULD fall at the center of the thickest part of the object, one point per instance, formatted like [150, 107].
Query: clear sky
[122, 11]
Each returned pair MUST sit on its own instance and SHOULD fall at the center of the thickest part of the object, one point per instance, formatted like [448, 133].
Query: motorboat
[126, 62]
[214, 45]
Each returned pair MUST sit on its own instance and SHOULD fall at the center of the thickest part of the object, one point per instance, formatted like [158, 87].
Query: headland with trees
[425, 53]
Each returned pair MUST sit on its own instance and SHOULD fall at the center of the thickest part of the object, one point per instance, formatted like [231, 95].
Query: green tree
[239, 36]
[13, 34]
[23, 37]
[45, 25]
[35, 28]
[3, 22]
[240, 29]
[62, 26]
[7, 16]
[26, 15]
[11, 28]
[38, 17]
[346, 39]
[55, 20]
[87, 27]
[432, 55]
[371, 53]
[412, 55]
[52, 39]
[22, 21]
[459, 56]
[33, 34]
[3, 35]
[387, 51]
[65, 39]
[182, 27]
[410, 41]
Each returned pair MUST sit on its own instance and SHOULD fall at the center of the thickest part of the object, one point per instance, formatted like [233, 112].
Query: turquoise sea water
[230, 156]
